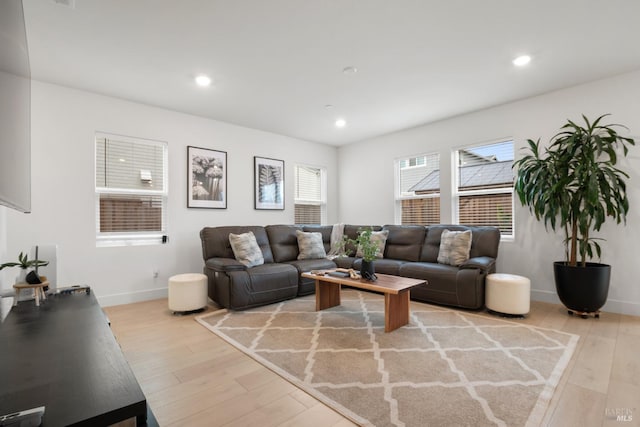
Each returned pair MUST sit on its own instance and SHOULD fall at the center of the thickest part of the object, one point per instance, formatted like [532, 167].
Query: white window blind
[131, 190]
[418, 183]
[484, 186]
[310, 200]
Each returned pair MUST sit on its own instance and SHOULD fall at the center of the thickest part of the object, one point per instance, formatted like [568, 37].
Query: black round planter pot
[582, 289]
[367, 271]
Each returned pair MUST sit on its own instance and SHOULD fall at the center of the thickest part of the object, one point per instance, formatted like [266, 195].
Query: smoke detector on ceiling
[68, 3]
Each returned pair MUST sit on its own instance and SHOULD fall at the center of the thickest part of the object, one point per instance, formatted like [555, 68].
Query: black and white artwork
[269, 183]
[207, 170]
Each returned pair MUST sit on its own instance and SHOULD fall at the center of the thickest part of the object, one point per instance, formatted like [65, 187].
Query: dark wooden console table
[62, 355]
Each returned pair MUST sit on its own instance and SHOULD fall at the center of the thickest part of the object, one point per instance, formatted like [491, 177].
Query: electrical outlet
[155, 274]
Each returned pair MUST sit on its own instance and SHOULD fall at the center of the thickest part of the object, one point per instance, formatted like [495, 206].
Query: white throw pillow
[454, 247]
[310, 245]
[245, 249]
[380, 239]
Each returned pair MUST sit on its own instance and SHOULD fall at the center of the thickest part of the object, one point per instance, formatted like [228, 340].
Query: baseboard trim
[622, 307]
[612, 305]
[545, 296]
[131, 297]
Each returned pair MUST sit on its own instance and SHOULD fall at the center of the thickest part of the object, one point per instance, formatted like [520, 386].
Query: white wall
[366, 178]
[64, 122]
[63, 212]
[3, 245]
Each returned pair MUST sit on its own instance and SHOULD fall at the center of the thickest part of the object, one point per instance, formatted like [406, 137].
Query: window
[413, 161]
[418, 184]
[484, 186]
[310, 199]
[131, 190]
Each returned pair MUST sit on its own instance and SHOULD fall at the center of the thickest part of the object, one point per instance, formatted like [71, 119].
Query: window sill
[129, 241]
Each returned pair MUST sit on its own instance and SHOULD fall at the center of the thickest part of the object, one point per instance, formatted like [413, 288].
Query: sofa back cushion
[404, 242]
[484, 241]
[215, 241]
[325, 230]
[284, 242]
[351, 231]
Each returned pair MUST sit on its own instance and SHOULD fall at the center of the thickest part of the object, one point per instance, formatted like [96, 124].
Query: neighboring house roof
[430, 182]
[475, 176]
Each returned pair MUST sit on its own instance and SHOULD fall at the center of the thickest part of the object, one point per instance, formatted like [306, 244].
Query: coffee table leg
[327, 294]
[396, 310]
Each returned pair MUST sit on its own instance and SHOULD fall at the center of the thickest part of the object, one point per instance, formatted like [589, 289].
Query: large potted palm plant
[574, 185]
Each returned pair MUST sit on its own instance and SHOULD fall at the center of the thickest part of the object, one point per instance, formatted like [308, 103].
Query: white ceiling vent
[68, 3]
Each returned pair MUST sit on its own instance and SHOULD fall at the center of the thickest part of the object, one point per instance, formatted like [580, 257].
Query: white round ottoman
[508, 294]
[187, 292]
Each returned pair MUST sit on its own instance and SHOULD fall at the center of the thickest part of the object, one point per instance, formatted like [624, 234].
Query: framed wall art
[269, 183]
[207, 178]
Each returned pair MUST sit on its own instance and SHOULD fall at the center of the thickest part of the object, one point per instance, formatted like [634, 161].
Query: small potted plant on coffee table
[369, 250]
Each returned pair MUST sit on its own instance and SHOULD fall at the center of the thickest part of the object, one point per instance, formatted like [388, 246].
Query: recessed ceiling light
[203, 80]
[340, 123]
[349, 70]
[522, 60]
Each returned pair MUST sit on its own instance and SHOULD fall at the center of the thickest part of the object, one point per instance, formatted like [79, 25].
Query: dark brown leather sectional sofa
[410, 251]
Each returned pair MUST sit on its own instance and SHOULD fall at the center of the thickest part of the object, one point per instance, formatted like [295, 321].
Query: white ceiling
[277, 63]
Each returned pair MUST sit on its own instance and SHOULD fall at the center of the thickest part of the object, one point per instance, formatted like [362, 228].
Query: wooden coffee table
[394, 288]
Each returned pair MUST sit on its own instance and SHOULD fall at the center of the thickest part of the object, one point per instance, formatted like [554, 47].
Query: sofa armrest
[484, 263]
[225, 264]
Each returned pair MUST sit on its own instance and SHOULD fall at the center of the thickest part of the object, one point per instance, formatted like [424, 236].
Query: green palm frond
[574, 184]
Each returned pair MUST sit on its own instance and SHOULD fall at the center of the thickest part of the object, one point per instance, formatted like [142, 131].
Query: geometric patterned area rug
[446, 367]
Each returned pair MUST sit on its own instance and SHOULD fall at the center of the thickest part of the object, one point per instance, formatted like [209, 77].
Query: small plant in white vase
[25, 264]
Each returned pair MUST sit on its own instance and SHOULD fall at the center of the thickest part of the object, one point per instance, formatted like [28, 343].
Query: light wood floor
[193, 378]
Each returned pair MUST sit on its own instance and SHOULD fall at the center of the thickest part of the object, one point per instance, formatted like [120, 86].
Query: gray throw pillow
[454, 247]
[245, 249]
[380, 239]
[310, 245]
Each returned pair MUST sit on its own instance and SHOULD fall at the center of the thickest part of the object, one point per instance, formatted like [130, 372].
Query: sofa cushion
[382, 266]
[260, 285]
[308, 286]
[224, 264]
[283, 242]
[345, 261]
[404, 242]
[310, 245]
[440, 277]
[215, 241]
[454, 247]
[380, 239]
[245, 249]
[485, 242]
